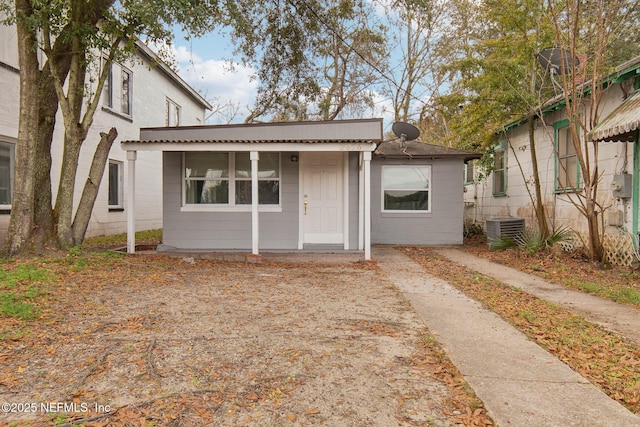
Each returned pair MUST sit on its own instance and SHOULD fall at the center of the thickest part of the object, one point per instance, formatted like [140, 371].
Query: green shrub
[531, 240]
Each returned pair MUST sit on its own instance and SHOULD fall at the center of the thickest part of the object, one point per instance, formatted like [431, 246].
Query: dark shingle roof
[423, 150]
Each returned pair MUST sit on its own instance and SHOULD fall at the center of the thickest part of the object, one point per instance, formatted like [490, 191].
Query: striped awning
[621, 124]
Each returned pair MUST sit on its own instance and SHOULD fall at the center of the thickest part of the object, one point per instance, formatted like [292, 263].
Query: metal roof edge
[270, 124]
[160, 64]
[622, 72]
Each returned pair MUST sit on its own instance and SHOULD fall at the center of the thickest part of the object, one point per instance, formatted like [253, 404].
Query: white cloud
[219, 81]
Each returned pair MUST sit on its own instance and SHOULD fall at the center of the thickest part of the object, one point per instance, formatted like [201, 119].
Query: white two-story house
[138, 94]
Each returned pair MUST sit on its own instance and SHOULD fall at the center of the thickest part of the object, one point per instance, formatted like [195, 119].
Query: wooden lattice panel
[618, 249]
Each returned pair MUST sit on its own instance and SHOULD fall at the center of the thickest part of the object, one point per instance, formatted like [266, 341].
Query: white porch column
[254, 156]
[367, 204]
[360, 201]
[131, 201]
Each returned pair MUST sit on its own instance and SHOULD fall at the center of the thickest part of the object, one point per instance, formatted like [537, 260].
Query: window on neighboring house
[7, 163]
[115, 184]
[469, 171]
[126, 92]
[406, 188]
[567, 170]
[500, 170]
[119, 91]
[224, 179]
[108, 88]
[171, 113]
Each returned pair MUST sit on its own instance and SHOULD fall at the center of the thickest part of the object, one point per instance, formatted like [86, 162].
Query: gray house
[301, 185]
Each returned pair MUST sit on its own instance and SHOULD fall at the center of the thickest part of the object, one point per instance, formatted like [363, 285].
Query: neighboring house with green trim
[508, 190]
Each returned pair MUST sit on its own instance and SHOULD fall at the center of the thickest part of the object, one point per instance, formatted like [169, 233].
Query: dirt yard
[149, 340]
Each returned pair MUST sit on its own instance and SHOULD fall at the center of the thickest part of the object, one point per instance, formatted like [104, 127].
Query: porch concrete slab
[520, 383]
[618, 318]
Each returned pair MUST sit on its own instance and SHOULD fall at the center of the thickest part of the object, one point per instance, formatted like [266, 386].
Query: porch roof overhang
[253, 145]
[621, 124]
[340, 135]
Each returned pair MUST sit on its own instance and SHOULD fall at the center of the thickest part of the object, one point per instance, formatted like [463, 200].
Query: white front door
[322, 200]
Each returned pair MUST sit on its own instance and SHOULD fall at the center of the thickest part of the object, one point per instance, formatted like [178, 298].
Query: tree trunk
[22, 204]
[595, 242]
[541, 214]
[44, 217]
[64, 199]
[90, 191]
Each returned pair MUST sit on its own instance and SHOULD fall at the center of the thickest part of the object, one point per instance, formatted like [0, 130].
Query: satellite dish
[405, 131]
[557, 60]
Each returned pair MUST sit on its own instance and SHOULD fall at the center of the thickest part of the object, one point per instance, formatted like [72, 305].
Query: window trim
[502, 146]
[231, 206]
[557, 127]
[109, 88]
[407, 211]
[470, 164]
[109, 85]
[4, 207]
[125, 71]
[167, 110]
[120, 205]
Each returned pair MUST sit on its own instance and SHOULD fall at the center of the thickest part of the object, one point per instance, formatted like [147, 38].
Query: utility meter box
[616, 218]
[621, 186]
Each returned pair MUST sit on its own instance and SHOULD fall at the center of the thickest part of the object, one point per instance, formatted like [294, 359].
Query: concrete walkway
[614, 317]
[520, 383]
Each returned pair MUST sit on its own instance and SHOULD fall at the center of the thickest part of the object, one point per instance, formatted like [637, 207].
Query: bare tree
[587, 29]
[417, 77]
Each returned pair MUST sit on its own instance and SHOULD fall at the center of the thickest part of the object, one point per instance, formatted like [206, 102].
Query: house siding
[354, 202]
[232, 230]
[10, 89]
[228, 230]
[442, 226]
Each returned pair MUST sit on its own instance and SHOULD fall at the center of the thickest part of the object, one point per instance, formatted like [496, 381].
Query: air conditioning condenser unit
[504, 227]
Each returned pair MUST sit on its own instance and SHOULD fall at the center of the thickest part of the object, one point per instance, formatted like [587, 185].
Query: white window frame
[231, 206]
[120, 185]
[12, 162]
[429, 190]
[562, 140]
[469, 172]
[108, 86]
[114, 86]
[170, 106]
[500, 171]
[129, 98]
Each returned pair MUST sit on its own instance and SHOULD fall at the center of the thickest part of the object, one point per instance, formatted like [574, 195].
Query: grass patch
[604, 358]
[21, 288]
[118, 240]
[622, 294]
[23, 273]
[619, 284]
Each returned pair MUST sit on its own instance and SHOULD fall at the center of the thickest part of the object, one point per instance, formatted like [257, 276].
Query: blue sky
[204, 64]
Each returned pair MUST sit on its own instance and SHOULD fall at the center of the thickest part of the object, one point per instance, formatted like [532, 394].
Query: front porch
[287, 186]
